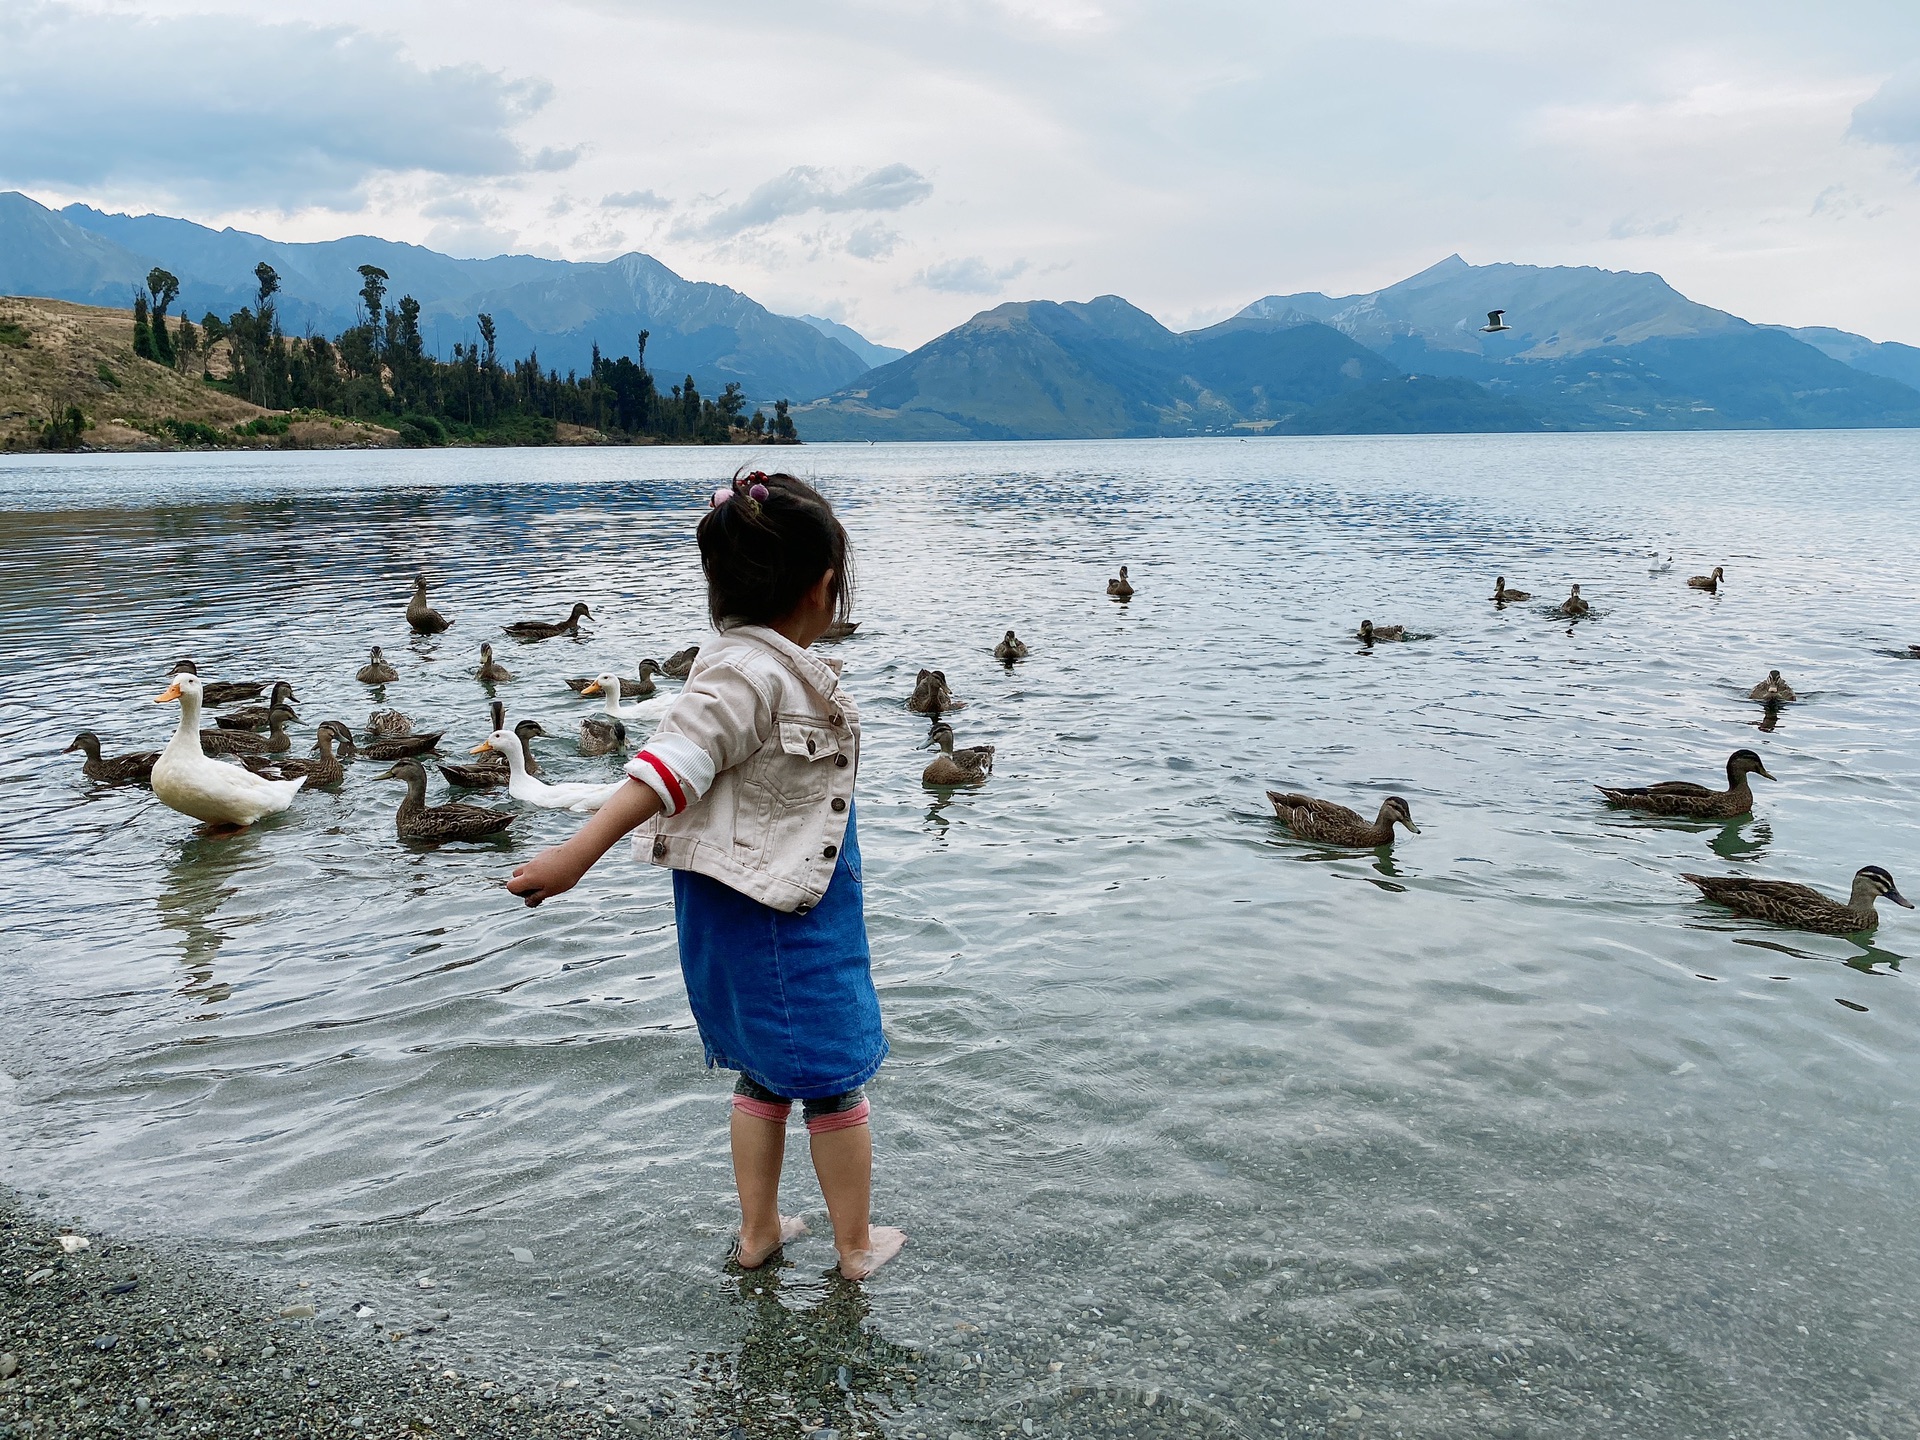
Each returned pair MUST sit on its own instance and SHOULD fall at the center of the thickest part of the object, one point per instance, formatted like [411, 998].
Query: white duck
[609, 686]
[580, 796]
[184, 779]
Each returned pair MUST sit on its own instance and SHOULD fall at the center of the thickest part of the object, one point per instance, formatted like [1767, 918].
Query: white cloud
[969, 275]
[808, 188]
[1891, 116]
[872, 242]
[636, 200]
[230, 110]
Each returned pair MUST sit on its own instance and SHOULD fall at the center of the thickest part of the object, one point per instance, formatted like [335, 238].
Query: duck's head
[86, 740]
[527, 729]
[1010, 637]
[1123, 572]
[1366, 630]
[1745, 762]
[184, 667]
[650, 667]
[420, 586]
[1396, 811]
[342, 736]
[283, 689]
[279, 716]
[486, 650]
[1576, 589]
[608, 684]
[375, 655]
[579, 612]
[498, 712]
[941, 737]
[505, 741]
[1879, 883]
[407, 770]
[1719, 572]
[185, 686]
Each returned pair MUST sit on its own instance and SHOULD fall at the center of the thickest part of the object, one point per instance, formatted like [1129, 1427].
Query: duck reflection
[1769, 720]
[200, 878]
[808, 1361]
[1741, 840]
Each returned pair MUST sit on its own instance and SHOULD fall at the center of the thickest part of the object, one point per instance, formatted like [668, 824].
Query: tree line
[379, 370]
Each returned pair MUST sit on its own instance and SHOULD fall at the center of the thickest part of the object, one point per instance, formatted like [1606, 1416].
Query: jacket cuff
[675, 769]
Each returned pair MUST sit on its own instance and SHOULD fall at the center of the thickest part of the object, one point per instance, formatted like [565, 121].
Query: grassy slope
[61, 362]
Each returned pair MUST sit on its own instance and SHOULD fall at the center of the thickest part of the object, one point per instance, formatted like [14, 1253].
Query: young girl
[746, 793]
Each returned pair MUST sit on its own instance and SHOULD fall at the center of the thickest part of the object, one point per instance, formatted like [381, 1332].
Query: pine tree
[142, 331]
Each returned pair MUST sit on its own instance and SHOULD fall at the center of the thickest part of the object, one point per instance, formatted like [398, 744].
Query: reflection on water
[1444, 1139]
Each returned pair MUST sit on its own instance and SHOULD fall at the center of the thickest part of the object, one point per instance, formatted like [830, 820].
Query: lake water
[1197, 1130]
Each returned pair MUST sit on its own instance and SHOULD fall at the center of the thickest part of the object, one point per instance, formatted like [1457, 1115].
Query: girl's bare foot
[750, 1252]
[883, 1243]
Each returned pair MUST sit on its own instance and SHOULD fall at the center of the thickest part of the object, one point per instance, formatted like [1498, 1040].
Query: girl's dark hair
[761, 555]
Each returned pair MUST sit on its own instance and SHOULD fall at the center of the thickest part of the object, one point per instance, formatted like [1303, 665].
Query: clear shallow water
[1504, 1134]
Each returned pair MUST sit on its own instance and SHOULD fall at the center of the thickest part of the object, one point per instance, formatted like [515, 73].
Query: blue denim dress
[785, 999]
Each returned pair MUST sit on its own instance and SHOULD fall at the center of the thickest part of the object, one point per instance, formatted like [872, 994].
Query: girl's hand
[552, 872]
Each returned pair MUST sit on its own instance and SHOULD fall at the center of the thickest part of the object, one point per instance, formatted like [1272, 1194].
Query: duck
[1659, 566]
[1773, 690]
[609, 687]
[388, 723]
[491, 671]
[1573, 606]
[490, 769]
[676, 665]
[1010, 649]
[1333, 824]
[343, 745]
[1682, 797]
[1505, 596]
[249, 742]
[376, 671]
[579, 796]
[547, 629]
[215, 693]
[317, 773]
[133, 769]
[422, 823]
[1121, 588]
[402, 747]
[955, 767]
[1801, 906]
[1370, 632]
[601, 734]
[931, 695]
[839, 629]
[629, 689]
[185, 779]
[255, 717]
[1709, 583]
[422, 617]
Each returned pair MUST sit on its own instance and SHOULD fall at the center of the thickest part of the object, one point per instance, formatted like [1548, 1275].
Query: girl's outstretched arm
[557, 870]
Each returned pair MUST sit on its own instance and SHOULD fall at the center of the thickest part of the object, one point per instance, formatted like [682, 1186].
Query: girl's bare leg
[758, 1148]
[843, 1160]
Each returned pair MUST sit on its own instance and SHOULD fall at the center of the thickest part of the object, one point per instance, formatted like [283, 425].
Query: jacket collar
[821, 674]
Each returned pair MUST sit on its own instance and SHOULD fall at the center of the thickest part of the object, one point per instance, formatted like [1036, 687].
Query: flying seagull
[1494, 323]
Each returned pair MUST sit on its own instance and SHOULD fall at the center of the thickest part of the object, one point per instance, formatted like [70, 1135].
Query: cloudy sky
[901, 164]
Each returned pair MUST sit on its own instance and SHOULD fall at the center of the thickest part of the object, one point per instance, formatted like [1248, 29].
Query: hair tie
[720, 497]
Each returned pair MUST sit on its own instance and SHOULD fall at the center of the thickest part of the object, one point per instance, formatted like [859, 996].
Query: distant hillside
[1417, 405]
[872, 355]
[1041, 370]
[1889, 358]
[559, 307]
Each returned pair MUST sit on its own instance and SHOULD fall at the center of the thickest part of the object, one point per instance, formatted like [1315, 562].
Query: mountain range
[559, 308]
[1582, 348]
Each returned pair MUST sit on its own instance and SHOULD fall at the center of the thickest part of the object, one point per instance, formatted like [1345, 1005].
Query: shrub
[192, 432]
[107, 377]
[417, 429]
[12, 332]
[63, 431]
[264, 425]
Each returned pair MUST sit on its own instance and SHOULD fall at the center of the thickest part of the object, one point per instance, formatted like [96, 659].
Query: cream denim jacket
[755, 763]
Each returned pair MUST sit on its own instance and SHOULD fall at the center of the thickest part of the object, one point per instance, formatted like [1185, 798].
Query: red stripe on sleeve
[672, 781]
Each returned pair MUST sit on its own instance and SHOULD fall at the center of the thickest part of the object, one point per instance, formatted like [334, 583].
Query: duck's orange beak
[591, 688]
[483, 745]
[172, 692]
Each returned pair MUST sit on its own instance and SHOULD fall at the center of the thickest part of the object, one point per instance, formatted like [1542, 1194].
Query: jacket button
[838, 804]
[833, 720]
[830, 852]
[810, 745]
[840, 761]
[801, 909]
[660, 847]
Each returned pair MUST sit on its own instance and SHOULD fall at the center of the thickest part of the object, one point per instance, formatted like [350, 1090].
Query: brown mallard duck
[422, 617]
[247, 742]
[323, 769]
[402, 747]
[1505, 595]
[258, 717]
[931, 695]
[1682, 797]
[839, 629]
[1802, 907]
[1370, 632]
[629, 689]
[602, 734]
[422, 823]
[1709, 583]
[676, 665]
[214, 693]
[1573, 607]
[970, 766]
[491, 671]
[547, 629]
[1010, 649]
[1120, 588]
[1333, 824]
[376, 671]
[1773, 690]
[387, 724]
[343, 745]
[134, 769]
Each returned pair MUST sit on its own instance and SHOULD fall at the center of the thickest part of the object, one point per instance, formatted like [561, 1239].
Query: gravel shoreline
[103, 1338]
